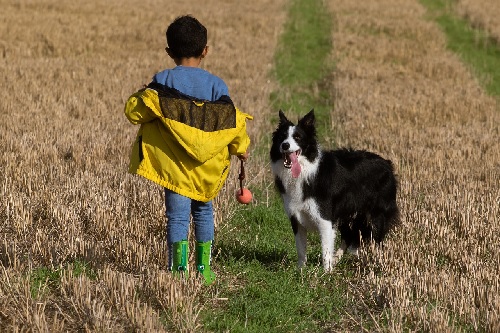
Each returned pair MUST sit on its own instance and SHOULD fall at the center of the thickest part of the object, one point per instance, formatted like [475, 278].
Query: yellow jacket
[183, 144]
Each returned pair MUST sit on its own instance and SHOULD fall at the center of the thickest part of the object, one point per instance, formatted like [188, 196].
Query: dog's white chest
[305, 210]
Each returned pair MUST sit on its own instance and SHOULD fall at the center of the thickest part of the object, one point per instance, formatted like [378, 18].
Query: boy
[189, 129]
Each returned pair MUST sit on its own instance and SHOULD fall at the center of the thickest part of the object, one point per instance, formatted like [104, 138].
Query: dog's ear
[283, 119]
[308, 120]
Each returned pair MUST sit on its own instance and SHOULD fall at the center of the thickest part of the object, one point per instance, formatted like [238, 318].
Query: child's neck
[188, 62]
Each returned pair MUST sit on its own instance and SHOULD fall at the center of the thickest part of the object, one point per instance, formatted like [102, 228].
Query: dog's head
[292, 142]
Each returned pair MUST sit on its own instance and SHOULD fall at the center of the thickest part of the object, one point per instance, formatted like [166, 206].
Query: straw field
[398, 91]
[82, 243]
[66, 201]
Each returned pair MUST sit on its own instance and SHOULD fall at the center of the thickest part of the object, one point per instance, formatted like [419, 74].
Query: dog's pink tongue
[295, 165]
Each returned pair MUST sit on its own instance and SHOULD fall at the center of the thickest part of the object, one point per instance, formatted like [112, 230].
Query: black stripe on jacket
[209, 116]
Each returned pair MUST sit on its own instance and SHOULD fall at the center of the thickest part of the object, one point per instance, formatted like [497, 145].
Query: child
[189, 130]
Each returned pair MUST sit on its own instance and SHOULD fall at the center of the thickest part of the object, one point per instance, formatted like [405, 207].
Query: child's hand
[244, 157]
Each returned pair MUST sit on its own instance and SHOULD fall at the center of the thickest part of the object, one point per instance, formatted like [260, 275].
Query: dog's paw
[329, 263]
[338, 255]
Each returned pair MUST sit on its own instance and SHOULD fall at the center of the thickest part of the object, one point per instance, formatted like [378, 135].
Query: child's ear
[169, 52]
[205, 51]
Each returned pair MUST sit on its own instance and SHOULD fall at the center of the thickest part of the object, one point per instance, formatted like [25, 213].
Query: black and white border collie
[348, 191]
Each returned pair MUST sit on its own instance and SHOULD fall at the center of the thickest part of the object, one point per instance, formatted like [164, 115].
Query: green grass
[268, 293]
[475, 47]
[45, 279]
[304, 45]
[264, 289]
[301, 63]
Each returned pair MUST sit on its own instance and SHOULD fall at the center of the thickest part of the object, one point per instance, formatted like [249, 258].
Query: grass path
[265, 291]
[474, 46]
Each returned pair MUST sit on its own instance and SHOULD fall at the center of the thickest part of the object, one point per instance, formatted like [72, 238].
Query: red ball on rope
[243, 195]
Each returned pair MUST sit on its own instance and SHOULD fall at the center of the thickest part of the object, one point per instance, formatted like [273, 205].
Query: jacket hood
[201, 128]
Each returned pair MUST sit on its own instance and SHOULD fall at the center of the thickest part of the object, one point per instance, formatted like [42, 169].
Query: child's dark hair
[186, 37]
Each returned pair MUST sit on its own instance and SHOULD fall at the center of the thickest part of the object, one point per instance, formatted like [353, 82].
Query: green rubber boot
[203, 258]
[180, 252]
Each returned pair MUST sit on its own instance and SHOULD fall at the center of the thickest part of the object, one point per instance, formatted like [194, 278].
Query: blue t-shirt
[193, 81]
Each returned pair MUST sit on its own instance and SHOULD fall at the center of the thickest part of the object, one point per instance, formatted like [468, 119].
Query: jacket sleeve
[142, 107]
[239, 145]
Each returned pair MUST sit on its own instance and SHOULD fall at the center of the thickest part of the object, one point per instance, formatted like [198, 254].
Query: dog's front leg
[327, 234]
[300, 241]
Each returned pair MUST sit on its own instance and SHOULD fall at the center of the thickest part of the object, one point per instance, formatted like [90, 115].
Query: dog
[348, 191]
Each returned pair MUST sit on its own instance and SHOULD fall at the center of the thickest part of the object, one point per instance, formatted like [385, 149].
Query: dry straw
[399, 92]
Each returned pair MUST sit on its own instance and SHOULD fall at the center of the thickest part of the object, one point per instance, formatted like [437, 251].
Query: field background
[82, 243]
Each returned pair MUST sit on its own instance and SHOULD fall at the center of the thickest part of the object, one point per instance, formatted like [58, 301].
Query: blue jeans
[178, 211]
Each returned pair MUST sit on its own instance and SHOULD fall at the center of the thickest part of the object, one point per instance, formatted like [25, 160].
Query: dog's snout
[285, 146]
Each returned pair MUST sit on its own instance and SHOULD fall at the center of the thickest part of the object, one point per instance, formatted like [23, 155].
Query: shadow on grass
[272, 259]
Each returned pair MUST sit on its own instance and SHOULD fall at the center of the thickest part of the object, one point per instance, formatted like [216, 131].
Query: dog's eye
[296, 137]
